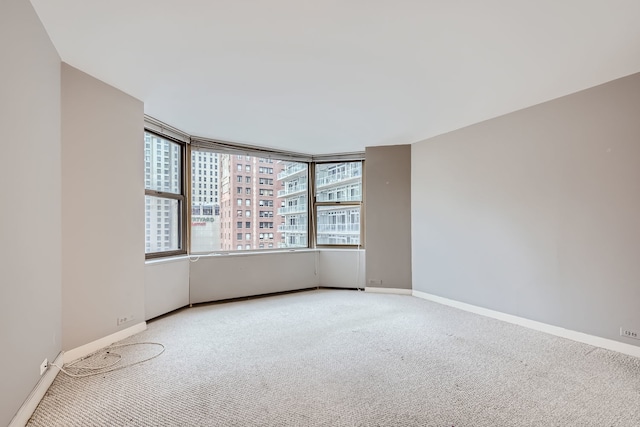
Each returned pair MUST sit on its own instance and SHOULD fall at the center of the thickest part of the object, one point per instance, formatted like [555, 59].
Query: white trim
[166, 260]
[605, 343]
[87, 349]
[388, 290]
[33, 400]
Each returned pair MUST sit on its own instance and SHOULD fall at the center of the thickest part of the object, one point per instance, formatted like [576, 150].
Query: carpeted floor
[347, 358]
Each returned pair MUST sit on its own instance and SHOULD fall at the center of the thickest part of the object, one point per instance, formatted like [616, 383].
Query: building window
[165, 205]
[338, 203]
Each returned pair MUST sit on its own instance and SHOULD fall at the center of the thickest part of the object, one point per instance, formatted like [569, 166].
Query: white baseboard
[605, 343]
[388, 290]
[31, 403]
[87, 349]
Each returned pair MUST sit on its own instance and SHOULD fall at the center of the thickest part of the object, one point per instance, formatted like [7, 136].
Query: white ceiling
[331, 76]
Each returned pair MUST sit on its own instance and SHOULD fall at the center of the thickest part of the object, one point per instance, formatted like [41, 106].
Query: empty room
[320, 213]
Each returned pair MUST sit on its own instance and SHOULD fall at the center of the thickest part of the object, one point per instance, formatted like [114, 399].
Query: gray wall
[221, 277]
[30, 194]
[166, 285]
[537, 213]
[232, 276]
[388, 216]
[341, 268]
[102, 208]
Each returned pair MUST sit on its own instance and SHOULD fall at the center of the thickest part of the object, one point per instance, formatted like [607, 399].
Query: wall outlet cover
[629, 333]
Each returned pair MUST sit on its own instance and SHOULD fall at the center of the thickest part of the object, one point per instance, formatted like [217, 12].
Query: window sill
[168, 259]
[195, 257]
[250, 253]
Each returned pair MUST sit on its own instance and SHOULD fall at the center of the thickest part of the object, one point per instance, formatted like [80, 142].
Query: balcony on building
[288, 228]
[293, 169]
[294, 209]
[353, 228]
[291, 190]
[352, 173]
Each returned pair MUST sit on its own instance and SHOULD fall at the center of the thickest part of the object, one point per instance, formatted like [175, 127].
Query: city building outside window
[164, 195]
[217, 232]
[205, 211]
[338, 203]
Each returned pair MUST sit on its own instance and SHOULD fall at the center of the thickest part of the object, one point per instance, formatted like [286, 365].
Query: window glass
[222, 232]
[337, 225]
[339, 182]
[338, 202]
[162, 224]
[164, 196]
[205, 210]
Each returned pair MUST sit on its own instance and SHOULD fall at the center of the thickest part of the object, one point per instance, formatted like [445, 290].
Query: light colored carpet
[347, 358]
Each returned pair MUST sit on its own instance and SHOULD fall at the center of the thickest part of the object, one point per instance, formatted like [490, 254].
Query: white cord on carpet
[100, 368]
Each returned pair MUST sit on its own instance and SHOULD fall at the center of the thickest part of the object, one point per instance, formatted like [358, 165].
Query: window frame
[185, 199]
[316, 204]
[179, 197]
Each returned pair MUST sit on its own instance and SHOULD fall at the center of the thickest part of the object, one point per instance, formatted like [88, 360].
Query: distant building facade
[205, 205]
[338, 182]
[293, 206]
[248, 202]
[162, 172]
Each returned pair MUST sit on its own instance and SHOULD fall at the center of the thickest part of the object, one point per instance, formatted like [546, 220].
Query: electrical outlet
[43, 366]
[124, 319]
[628, 333]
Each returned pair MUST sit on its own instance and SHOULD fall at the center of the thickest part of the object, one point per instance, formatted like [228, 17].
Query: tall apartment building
[162, 172]
[248, 201]
[338, 182]
[205, 205]
[335, 224]
[293, 205]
